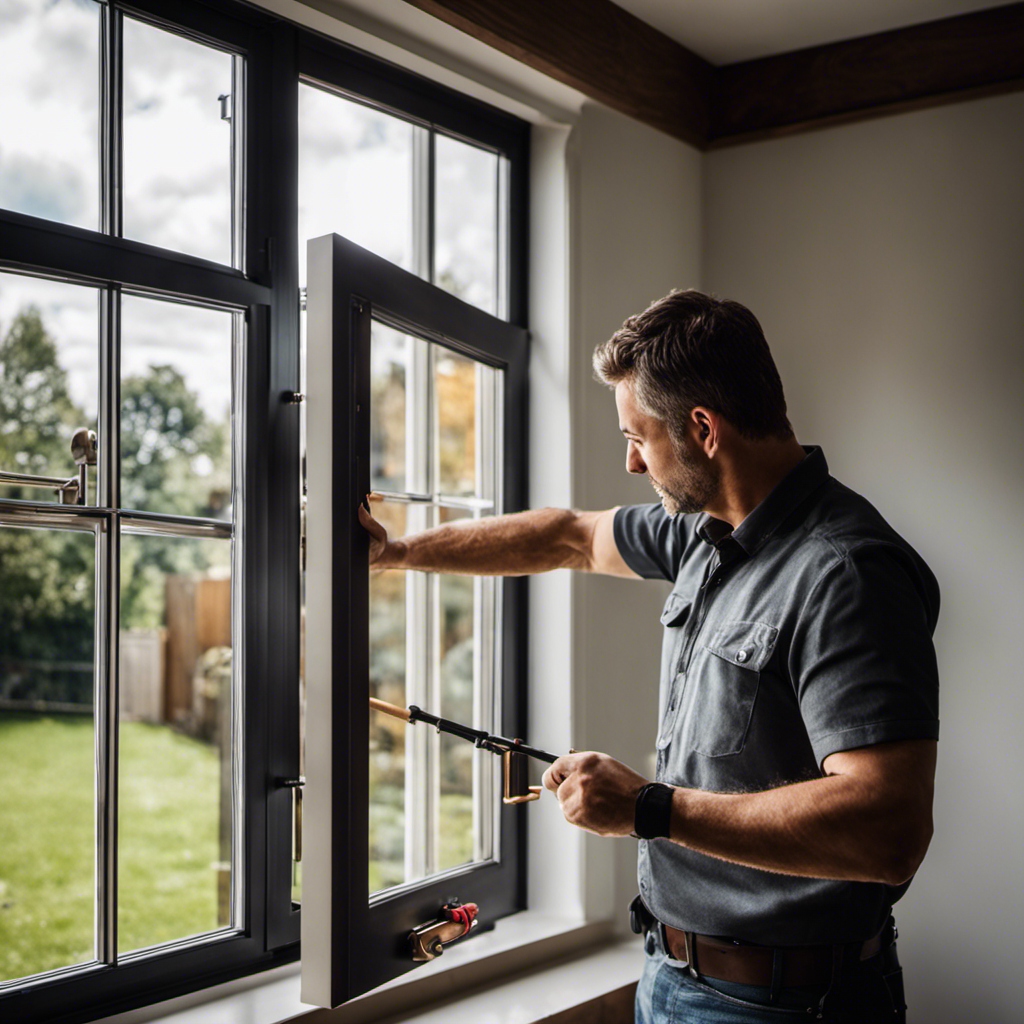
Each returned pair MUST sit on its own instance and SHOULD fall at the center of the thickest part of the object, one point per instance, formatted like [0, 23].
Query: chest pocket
[724, 681]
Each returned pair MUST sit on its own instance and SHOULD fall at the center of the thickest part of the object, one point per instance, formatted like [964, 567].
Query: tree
[165, 438]
[46, 576]
[37, 415]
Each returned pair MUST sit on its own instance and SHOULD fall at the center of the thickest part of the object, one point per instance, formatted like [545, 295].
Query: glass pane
[175, 808]
[49, 123]
[466, 229]
[49, 379]
[176, 392]
[177, 144]
[456, 405]
[390, 353]
[355, 176]
[456, 652]
[47, 750]
[388, 681]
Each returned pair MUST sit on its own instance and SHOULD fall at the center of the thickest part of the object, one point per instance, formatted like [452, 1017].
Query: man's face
[686, 481]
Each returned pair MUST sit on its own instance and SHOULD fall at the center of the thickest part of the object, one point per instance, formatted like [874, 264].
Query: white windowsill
[530, 966]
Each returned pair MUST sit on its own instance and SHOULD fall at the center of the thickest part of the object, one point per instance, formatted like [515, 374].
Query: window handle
[295, 785]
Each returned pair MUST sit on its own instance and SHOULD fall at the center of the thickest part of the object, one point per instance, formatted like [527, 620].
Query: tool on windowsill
[456, 919]
[513, 753]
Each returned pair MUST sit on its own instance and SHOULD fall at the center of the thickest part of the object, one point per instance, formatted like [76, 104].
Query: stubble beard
[693, 489]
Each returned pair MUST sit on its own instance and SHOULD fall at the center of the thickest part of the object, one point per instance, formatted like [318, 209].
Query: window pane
[49, 379]
[456, 405]
[456, 657]
[390, 431]
[177, 146]
[175, 806]
[355, 176]
[388, 681]
[466, 229]
[49, 124]
[47, 750]
[176, 388]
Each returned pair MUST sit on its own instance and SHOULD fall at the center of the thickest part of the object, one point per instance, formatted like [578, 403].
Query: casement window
[155, 200]
[408, 345]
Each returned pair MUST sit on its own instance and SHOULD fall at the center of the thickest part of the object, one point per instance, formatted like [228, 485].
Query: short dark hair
[691, 349]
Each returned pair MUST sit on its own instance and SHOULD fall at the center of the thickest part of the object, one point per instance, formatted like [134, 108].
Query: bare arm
[868, 820]
[511, 545]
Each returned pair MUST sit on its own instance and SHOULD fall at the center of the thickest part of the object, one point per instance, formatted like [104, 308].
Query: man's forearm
[833, 827]
[509, 545]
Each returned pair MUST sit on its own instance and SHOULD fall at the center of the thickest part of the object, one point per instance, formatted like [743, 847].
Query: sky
[356, 178]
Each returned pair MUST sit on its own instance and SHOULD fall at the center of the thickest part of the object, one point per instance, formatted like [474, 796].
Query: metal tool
[513, 752]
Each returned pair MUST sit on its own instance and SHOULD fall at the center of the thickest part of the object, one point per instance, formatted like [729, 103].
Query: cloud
[12, 12]
[50, 189]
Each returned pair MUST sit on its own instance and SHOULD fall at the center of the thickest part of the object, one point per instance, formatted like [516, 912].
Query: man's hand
[596, 792]
[378, 535]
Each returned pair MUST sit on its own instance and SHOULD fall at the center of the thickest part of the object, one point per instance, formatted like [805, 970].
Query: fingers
[370, 523]
[560, 771]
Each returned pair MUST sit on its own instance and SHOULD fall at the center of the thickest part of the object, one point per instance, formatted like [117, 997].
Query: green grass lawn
[169, 793]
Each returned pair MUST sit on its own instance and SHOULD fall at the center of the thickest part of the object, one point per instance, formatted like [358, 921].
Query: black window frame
[369, 939]
[276, 53]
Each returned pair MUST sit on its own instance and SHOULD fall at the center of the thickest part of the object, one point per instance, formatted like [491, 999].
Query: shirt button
[741, 656]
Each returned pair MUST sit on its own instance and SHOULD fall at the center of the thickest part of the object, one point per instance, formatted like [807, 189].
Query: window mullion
[432, 775]
[108, 495]
[423, 203]
[111, 119]
[502, 263]
[106, 703]
[419, 829]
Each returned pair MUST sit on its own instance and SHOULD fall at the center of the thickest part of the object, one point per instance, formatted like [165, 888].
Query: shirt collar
[805, 478]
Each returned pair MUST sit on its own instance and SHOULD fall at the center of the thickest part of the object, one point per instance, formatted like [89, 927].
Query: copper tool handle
[391, 709]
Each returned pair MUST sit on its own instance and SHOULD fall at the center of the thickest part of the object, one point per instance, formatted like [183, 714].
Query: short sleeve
[650, 541]
[862, 658]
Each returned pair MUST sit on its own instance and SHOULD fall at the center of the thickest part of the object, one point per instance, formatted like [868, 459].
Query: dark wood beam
[955, 58]
[598, 48]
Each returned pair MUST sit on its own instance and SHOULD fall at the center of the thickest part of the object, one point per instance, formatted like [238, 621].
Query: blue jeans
[868, 992]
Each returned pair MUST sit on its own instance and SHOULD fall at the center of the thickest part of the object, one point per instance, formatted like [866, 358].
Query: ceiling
[724, 31]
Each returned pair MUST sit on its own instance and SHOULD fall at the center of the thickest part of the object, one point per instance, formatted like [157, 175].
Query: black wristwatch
[653, 814]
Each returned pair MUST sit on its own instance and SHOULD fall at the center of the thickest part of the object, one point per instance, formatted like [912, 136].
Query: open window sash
[352, 941]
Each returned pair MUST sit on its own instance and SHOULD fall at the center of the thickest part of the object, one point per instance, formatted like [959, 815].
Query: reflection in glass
[49, 112]
[455, 417]
[390, 352]
[177, 142]
[175, 766]
[176, 389]
[49, 378]
[466, 229]
[47, 757]
[355, 176]
[456, 650]
[388, 681]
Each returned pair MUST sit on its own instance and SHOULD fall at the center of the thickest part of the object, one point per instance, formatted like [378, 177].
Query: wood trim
[613, 57]
[953, 58]
[598, 48]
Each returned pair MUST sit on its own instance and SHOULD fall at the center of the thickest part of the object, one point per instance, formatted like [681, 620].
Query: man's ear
[706, 428]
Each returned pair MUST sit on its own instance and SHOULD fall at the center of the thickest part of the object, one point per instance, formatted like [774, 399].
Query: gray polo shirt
[805, 631]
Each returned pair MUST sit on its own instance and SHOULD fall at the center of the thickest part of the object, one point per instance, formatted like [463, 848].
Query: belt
[757, 965]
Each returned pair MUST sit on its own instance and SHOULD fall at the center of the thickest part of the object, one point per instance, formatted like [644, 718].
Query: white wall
[885, 261]
[637, 230]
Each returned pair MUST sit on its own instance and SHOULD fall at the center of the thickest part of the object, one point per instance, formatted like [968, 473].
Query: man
[799, 692]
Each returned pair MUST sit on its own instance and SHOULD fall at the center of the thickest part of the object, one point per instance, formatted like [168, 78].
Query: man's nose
[634, 464]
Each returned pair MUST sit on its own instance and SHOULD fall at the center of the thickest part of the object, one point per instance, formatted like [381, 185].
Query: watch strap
[653, 814]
